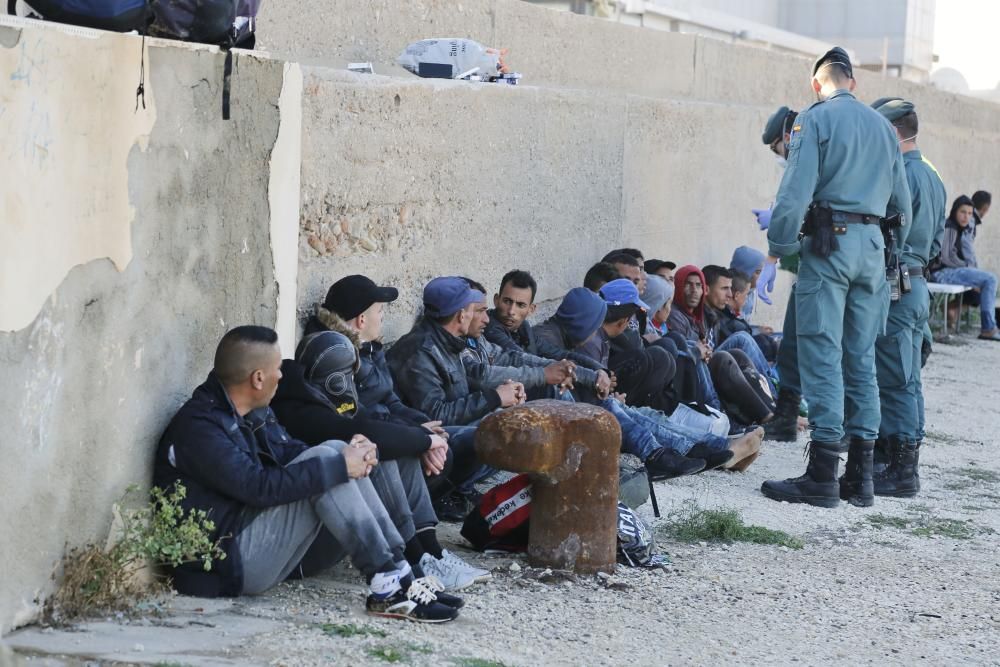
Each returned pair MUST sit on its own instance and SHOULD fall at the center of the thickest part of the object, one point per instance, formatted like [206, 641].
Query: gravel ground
[906, 581]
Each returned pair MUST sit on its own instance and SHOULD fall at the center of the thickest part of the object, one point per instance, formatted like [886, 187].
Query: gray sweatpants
[275, 539]
[401, 486]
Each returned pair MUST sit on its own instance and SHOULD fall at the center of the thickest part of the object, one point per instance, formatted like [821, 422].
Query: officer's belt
[915, 270]
[855, 218]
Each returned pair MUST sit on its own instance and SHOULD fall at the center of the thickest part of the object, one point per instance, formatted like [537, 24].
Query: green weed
[951, 529]
[692, 524]
[350, 630]
[881, 521]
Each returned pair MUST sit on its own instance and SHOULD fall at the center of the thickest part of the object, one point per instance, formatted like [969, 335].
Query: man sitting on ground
[355, 307]
[427, 366]
[270, 495]
[717, 297]
[509, 328]
[646, 433]
[317, 400]
[660, 267]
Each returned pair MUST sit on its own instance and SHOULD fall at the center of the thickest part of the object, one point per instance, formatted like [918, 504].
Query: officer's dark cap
[882, 100]
[835, 56]
[895, 109]
[775, 127]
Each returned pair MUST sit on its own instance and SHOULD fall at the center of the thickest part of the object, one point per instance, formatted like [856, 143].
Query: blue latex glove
[763, 217]
[765, 283]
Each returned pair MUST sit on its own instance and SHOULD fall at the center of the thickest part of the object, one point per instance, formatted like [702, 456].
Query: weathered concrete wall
[670, 125]
[117, 346]
[623, 136]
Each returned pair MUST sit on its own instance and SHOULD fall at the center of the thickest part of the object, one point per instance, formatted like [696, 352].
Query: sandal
[990, 335]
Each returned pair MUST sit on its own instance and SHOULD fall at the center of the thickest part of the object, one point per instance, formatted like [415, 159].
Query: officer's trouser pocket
[894, 355]
[811, 317]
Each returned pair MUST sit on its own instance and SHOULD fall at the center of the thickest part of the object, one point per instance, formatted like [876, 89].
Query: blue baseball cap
[447, 295]
[620, 292]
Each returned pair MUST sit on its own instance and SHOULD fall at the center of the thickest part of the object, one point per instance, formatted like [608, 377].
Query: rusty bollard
[571, 452]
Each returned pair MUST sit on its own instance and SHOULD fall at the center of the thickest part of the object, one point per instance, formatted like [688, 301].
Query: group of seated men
[353, 450]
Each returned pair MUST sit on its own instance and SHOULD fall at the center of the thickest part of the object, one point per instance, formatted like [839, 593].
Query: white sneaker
[480, 574]
[451, 577]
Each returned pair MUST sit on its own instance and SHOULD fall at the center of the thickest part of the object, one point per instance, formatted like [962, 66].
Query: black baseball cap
[352, 295]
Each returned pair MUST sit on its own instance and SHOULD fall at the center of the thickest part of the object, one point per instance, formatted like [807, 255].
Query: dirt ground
[903, 582]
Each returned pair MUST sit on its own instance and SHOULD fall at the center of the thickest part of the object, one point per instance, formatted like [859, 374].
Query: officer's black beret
[835, 55]
[775, 126]
[882, 100]
[895, 109]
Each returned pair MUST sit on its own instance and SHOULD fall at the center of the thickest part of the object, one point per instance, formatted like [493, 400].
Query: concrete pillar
[570, 450]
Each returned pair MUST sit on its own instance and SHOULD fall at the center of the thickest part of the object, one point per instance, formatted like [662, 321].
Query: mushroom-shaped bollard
[570, 450]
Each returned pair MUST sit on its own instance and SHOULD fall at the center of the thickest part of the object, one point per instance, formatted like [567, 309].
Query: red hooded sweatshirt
[696, 315]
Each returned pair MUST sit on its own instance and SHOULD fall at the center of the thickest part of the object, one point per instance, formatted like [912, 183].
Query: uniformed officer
[846, 170]
[898, 351]
[784, 426]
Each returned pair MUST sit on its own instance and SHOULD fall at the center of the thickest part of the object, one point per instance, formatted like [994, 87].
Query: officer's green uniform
[898, 351]
[784, 426]
[843, 156]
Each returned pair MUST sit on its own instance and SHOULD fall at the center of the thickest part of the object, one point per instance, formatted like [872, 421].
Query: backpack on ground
[500, 522]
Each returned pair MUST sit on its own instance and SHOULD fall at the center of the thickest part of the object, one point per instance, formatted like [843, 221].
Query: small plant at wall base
[156, 534]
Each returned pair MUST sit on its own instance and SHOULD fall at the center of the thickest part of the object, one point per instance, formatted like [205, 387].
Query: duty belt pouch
[823, 230]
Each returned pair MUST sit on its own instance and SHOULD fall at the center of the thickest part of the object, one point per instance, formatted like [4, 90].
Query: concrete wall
[184, 225]
[130, 328]
[660, 129]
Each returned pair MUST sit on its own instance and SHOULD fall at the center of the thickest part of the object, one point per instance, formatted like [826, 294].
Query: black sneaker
[437, 588]
[417, 604]
[714, 458]
[452, 508]
[665, 464]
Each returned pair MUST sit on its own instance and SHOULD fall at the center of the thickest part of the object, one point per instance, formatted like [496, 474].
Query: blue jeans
[664, 429]
[706, 389]
[745, 343]
[643, 435]
[985, 281]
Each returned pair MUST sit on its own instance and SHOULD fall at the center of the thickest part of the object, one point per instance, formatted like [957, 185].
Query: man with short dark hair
[599, 274]
[718, 295]
[426, 363]
[981, 200]
[660, 267]
[509, 329]
[628, 266]
[270, 496]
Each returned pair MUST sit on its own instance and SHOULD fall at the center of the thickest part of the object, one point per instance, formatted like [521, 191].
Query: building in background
[891, 36]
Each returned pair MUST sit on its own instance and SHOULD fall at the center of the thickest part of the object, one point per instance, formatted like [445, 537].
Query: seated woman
[958, 265]
[728, 378]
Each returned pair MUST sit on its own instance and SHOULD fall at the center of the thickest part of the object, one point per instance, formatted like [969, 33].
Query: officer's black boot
[818, 486]
[902, 478]
[883, 454]
[784, 426]
[856, 486]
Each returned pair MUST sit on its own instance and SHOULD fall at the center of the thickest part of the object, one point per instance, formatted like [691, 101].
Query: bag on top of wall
[453, 58]
[117, 15]
[229, 23]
